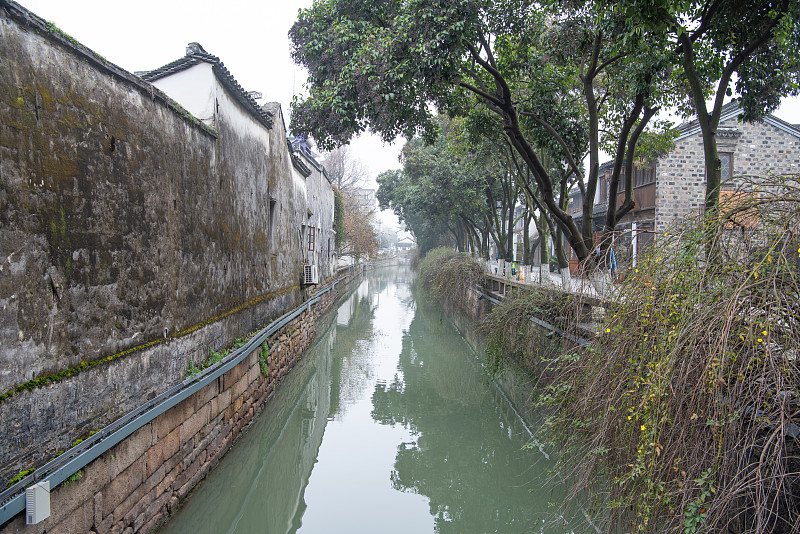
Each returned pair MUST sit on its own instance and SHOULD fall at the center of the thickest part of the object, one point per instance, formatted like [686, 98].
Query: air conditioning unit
[37, 503]
[310, 275]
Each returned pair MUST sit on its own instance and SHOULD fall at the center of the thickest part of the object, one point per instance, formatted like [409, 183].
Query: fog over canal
[387, 425]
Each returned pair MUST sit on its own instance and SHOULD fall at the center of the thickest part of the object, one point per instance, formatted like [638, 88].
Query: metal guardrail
[553, 328]
[12, 500]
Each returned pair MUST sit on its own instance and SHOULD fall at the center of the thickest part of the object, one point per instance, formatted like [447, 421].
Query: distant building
[675, 185]
[366, 199]
[404, 244]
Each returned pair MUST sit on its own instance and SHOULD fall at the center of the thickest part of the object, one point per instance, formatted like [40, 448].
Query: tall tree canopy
[438, 192]
[548, 78]
[721, 47]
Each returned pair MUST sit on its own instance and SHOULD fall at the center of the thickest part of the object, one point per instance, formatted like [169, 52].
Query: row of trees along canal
[533, 89]
[682, 415]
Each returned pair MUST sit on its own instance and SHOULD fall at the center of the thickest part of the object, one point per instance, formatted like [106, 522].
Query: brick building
[674, 186]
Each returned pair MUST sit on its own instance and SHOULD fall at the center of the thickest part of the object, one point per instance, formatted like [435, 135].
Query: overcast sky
[249, 36]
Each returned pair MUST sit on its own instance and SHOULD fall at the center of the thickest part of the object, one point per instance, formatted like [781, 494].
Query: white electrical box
[37, 503]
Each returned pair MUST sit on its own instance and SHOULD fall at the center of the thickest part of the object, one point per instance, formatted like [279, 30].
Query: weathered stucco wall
[320, 201]
[129, 232]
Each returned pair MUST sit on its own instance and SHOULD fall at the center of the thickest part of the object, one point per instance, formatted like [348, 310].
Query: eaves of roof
[224, 76]
[298, 163]
[309, 158]
[729, 111]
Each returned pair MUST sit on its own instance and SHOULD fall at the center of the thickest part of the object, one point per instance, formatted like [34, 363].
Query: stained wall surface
[134, 237]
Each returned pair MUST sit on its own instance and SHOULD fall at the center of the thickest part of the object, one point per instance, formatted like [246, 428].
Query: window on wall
[726, 172]
[272, 203]
[311, 238]
[726, 166]
[576, 205]
[644, 175]
[604, 189]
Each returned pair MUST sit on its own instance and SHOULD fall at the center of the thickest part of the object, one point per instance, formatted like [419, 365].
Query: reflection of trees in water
[282, 445]
[467, 459]
[351, 371]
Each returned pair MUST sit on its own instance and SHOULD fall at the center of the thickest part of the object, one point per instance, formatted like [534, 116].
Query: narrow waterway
[388, 425]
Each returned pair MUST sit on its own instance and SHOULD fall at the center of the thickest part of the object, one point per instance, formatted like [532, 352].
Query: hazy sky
[249, 36]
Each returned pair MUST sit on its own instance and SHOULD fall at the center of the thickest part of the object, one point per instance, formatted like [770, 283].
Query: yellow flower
[764, 332]
[644, 427]
[759, 340]
[630, 417]
[608, 330]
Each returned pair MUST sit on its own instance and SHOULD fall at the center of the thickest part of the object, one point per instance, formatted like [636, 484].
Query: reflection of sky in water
[349, 486]
[388, 425]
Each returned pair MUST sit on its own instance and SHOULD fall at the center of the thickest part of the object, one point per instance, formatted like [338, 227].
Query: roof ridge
[197, 55]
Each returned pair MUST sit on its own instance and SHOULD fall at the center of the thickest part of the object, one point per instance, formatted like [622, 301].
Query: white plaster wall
[238, 118]
[193, 89]
[319, 197]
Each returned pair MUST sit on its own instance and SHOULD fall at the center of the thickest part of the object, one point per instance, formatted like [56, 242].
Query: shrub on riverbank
[683, 416]
[510, 333]
[448, 274]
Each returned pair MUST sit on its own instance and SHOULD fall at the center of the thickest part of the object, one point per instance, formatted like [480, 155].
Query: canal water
[387, 425]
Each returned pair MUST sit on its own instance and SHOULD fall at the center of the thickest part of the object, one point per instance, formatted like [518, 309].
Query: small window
[604, 185]
[272, 203]
[311, 238]
[726, 166]
[726, 172]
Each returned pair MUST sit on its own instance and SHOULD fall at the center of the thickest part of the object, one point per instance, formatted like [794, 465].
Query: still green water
[388, 425]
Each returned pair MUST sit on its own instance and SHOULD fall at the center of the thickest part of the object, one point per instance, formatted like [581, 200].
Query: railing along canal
[12, 500]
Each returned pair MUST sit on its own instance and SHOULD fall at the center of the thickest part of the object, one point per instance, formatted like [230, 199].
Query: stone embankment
[134, 486]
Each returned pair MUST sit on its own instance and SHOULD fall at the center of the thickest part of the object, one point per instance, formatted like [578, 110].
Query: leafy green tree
[395, 191]
[390, 65]
[436, 193]
[720, 47]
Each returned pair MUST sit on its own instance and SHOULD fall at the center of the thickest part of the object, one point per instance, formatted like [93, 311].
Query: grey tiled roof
[733, 105]
[197, 55]
[728, 110]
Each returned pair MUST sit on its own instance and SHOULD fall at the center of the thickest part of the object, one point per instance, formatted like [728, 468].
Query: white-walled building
[286, 178]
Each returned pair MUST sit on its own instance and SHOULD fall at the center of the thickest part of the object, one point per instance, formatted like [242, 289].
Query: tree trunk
[527, 257]
[544, 254]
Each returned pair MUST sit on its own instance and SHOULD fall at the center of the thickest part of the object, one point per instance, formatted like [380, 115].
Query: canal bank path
[388, 425]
